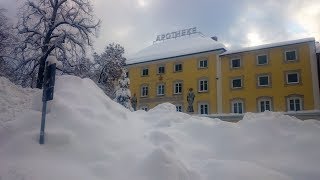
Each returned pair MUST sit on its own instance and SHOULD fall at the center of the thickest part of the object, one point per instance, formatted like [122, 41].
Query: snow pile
[89, 136]
[195, 43]
[13, 99]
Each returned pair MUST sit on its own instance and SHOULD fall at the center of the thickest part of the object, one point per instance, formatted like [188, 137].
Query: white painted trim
[314, 73]
[298, 77]
[264, 99]
[285, 55]
[158, 94]
[257, 59]
[219, 85]
[237, 101]
[266, 75]
[142, 91]
[295, 98]
[174, 87]
[199, 85]
[199, 63]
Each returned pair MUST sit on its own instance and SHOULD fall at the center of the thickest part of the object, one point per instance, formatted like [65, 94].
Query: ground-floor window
[203, 108]
[264, 104]
[237, 106]
[294, 103]
[179, 108]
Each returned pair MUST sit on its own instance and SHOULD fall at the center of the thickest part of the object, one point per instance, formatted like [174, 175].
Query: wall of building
[189, 76]
[277, 67]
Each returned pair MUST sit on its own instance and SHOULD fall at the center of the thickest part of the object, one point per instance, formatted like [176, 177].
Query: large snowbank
[88, 136]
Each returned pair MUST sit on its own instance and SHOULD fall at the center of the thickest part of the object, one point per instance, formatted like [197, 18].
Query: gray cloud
[236, 23]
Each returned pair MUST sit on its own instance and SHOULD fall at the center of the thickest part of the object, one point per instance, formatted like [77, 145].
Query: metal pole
[43, 122]
[44, 107]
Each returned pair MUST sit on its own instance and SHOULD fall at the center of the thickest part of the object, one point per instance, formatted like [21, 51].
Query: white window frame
[263, 76]
[175, 67]
[298, 77]
[262, 55]
[231, 64]
[160, 87]
[203, 89]
[285, 54]
[205, 110]
[265, 100]
[143, 94]
[294, 98]
[236, 79]
[142, 72]
[238, 109]
[174, 87]
[179, 106]
[201, 63]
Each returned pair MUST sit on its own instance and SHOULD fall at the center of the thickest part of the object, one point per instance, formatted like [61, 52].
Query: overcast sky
[237, 23]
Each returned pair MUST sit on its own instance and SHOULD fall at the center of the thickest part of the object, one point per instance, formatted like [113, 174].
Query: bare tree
[61, 28]
[7, 39]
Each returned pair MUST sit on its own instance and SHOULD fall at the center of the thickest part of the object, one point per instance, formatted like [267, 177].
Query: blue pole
[43, 122]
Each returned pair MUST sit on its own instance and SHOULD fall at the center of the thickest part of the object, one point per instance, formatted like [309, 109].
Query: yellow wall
[190, 76]
[276, 67]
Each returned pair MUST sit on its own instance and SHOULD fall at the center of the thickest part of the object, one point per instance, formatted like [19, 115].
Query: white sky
[135, 23]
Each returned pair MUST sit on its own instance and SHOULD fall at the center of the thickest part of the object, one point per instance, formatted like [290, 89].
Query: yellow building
[277, 77]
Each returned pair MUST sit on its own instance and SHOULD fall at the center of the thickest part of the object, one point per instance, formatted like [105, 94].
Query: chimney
[214, 38]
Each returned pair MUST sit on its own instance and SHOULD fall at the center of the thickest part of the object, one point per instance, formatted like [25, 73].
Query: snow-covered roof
[318, 47]
[187, 45]
[276, 44]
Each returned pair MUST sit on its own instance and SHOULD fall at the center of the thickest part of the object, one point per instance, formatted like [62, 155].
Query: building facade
[277, 77]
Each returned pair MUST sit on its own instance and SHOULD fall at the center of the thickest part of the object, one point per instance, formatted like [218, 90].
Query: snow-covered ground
[88, 136]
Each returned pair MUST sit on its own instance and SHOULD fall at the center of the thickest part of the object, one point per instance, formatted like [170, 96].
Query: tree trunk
[41, 73]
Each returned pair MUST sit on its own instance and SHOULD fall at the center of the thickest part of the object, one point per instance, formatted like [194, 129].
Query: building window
[178, 67]
[237, 106]
[160, 90]
[144, 91]
[145, 108]
[263, 80]
[145, 72]
[203, 108]
[203, 85]
[179, 108]
[294, 103]
[292, 77]
[264, 104]
[178, 88]
[291, 55]
[262, 59]
[235, 63]
[203, 63]
[236, 83]
[161, 70]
